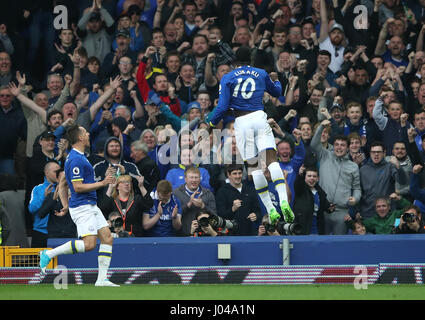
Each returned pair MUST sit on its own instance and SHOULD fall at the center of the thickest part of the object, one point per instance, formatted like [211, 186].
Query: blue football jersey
[243, 89]
[78, 168]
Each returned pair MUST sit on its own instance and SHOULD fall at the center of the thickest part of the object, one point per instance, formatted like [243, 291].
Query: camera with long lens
[288, 228]
[218, 222]
[408, 217]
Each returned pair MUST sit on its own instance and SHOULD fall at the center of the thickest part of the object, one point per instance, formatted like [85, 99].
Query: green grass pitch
[213, 292]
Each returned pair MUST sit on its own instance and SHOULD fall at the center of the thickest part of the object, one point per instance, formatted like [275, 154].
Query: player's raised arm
[223, 102]
[273, 85]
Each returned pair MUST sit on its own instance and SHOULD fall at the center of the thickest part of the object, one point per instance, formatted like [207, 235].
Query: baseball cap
[134, 9]
[47, 135]
[150, 102]
[194, 104]
[95, 16]
[337, 26]
[336, 105]
[123, 33]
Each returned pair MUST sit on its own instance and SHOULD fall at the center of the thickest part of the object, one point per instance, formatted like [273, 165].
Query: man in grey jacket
[97, 39]
[339, 178]
[378, 178]
[193, 198]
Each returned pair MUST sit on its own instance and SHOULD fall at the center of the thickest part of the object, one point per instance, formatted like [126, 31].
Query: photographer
[116, 225]
[207, 224]
[266, 229]
[278, 227]
[410, 221]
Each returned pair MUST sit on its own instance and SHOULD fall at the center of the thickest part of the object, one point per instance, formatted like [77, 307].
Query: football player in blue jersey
[242, 90]
[88, 218]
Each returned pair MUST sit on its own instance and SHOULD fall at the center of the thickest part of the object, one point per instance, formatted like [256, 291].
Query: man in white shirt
[334, 43]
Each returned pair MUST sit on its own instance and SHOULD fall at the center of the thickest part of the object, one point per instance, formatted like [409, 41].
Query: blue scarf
[189, 193]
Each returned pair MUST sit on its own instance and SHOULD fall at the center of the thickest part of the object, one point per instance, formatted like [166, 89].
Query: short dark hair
[52, 113]
[325, 53]
[377, 144]
[233, 167]
[73, 133]
[341, 137]
[311, 168]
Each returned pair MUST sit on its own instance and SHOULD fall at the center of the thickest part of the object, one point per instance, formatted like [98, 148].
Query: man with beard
[400, 152]
[114, 163]
[331, 40]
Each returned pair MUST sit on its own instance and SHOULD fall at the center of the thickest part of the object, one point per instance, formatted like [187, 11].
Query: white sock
[70, 247]
[104, 260]
[278, 179]
[262, 187]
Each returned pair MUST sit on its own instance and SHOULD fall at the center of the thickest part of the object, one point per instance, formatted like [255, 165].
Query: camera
[217, 222]
[116, 223]
[288, 228]
[204, 222]
[269, 227]
[408, 217]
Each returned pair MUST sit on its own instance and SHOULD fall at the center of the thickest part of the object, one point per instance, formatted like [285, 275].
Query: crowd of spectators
[142, 77]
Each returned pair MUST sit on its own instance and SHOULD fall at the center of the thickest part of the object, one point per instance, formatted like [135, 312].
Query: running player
[83, 208]
[242, 90]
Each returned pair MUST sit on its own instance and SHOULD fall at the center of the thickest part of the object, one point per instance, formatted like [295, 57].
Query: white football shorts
[88, 219]
[253, 134]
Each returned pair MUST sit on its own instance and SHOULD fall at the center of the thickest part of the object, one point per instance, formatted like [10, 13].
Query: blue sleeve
[59, 132]
[126, 146]
[223, 102]
[274, 88]
[205, 181]
[37, 198]
[298, 159]
[93, 96]
[174, 120]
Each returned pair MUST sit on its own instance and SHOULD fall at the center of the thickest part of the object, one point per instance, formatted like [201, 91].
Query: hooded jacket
[101, 167]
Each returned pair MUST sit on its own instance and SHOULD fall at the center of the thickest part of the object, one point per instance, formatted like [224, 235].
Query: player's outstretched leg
[262, 187]
[104, 258]
[280, 186]
[70, 247]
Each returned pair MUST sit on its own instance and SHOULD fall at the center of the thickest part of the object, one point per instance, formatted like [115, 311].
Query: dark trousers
[39, 239]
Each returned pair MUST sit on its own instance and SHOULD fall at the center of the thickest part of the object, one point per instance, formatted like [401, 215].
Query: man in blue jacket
[38, 195]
